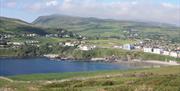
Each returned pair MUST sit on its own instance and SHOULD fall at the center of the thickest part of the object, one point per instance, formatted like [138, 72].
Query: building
[167, 53]
[128, 47]
[118, 47]
[32, 42]
[3, 43]
[157, 50]
[16, 43]
[51, 55]
[68, 44]
[30, 35]
[138, 47]
[85, 47]
[149, 50]
[178, 54]
[173, 54]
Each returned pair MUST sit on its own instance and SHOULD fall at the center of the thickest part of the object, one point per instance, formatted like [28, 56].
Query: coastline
[146, 64]
[134, 62]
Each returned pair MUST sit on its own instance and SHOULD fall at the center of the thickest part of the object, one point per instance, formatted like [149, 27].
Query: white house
[166, 53]
[157, 50]
[85, 47]
[128, 47]
[16, 43]
[179, 55]
[51, 55]
[31, 35]
[32, 41]
[117, 47]
[173, 54]
[149, 50]
[137, 47]
[69, 44]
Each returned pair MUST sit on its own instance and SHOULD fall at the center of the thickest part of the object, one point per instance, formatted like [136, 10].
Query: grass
[156, 79]
[59, 76]
[110, 42]
[44, 40]
[139, 80]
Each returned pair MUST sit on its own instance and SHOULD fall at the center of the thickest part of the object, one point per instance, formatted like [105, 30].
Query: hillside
[155, 79]
[108, 28]
[92, 27]
[16, 26]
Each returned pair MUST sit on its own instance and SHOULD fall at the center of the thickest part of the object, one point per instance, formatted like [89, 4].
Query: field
[156, 79]
[110, 42]
[100, 42]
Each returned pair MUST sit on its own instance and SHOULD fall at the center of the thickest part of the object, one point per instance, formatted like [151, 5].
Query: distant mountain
[16, 26]
[19, 27]
[59, 20]
[105, 27]
[90, 27]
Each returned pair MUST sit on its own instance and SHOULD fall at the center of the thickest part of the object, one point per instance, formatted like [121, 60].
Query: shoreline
[145, 64]
[133, 62]
[161, 62]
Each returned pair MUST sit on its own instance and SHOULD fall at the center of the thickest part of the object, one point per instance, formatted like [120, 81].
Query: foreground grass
[156, 79]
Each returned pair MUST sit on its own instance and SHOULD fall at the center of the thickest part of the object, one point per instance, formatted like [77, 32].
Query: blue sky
[167, 11]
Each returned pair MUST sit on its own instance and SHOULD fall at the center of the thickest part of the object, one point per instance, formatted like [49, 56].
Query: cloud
[168, 5]
[11, 4]
[35, 7]
[127, 10]
[52, 3]
[8, 4]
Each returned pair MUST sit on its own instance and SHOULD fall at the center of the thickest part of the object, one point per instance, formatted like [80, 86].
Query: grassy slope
[16, 26]
[110, 42]
[156, 79]
[59, 76]
[98, 27]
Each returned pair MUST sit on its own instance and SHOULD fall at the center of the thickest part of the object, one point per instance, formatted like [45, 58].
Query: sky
[164, 11]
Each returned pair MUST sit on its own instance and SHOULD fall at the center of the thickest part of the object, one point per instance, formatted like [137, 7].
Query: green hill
[154, 79]
[108, 28]
[91, 27]
[16, 26]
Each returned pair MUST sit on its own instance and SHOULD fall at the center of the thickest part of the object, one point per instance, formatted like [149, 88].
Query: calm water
[12, 66]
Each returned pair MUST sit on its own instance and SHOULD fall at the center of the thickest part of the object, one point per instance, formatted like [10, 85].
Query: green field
[156, 79]
[110, 42]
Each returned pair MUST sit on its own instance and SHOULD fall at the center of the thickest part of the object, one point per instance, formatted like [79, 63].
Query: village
[148, 46]
[155, 47]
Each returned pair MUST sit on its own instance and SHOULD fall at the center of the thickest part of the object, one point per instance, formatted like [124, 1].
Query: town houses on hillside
[154, 47]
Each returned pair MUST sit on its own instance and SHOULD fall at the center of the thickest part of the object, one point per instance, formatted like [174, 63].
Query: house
[173, 54]
[167, 53]
[16, 43]
[51, 35]
[149, 50]
[5, 36]
[117, 47]
[157, 50]
[68, 44]
[138, 47]
[51, 55]
[128, 47]
[32, 42]
[86, 47]
[30, 35]
[178, 54]
[3, 43]
[66, 36]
